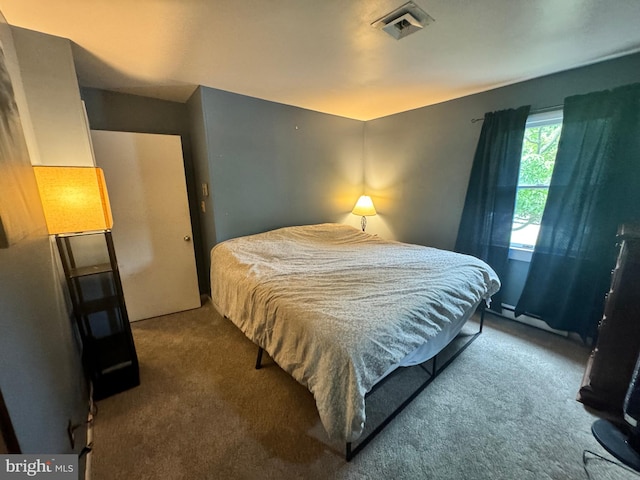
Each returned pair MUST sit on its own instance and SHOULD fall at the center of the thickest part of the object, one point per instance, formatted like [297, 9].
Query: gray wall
[132, 113]
[40, 370]
[270, 165]
[41, 374]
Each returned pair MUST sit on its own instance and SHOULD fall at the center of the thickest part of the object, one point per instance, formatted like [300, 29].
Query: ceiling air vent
[403, 21]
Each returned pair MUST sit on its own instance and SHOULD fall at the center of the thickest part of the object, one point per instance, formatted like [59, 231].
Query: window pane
[528, 213]
[536, 166]
[524, 235]
[538, 154]
[530, 204]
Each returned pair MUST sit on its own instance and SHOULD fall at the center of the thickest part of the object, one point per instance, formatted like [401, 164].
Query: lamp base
[363, 223]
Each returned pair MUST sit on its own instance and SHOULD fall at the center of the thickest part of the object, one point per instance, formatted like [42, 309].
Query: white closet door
[151, 224]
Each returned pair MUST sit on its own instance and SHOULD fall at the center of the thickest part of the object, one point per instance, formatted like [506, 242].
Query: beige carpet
[505, 409]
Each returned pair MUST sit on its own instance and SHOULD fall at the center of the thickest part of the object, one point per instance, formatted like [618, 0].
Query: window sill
[520, 254]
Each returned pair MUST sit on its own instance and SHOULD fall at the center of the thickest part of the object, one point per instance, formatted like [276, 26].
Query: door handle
[187, 238]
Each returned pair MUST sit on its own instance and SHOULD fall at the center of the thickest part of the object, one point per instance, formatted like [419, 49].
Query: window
[538, 157]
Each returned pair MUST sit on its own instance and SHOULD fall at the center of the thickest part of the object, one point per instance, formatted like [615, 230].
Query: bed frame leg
[259, 359]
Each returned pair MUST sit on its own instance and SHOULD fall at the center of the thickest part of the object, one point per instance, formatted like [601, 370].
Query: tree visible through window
[536, 166]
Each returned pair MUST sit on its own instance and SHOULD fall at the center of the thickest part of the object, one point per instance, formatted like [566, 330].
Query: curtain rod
[537, 110]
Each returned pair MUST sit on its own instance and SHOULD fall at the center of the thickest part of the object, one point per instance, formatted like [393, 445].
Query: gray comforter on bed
[336, 307]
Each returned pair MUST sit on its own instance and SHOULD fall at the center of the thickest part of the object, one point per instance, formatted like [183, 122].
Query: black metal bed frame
[351, 451]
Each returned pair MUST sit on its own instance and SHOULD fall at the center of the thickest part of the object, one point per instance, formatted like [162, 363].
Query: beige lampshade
[74, 199]
[364, 207]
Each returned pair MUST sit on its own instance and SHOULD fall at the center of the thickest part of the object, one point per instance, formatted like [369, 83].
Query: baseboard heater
[508, 312]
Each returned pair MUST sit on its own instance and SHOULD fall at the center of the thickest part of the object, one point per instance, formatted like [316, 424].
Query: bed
[340, 309]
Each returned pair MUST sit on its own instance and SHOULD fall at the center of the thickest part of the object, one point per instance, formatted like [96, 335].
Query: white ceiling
[323, 54]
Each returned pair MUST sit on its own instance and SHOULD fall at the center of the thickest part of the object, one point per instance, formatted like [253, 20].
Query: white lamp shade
[74, 199]
[364, 207]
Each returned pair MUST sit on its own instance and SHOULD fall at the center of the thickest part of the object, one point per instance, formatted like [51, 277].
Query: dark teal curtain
[595, 187]
[485, 226]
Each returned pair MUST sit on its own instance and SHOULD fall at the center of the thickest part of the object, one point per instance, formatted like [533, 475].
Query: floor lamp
[77, 211]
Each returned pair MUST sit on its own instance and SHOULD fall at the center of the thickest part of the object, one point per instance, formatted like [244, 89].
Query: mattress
[338, 308]
[434, 345]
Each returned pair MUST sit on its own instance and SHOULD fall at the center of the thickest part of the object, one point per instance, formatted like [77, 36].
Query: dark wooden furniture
[611, 364]
[91, 272]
